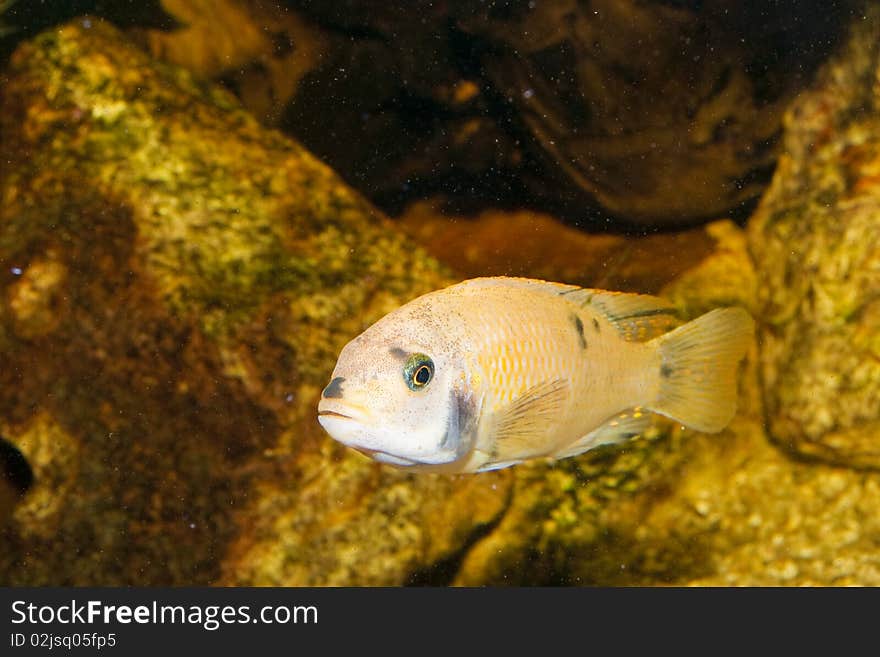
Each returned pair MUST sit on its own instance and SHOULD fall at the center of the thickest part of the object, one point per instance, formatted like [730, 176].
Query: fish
[495, 371]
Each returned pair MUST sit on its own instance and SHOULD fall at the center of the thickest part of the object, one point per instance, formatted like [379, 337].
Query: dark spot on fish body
[398, 353]
[334, 389]
[596, 325]
[666, 370]
[579, 327]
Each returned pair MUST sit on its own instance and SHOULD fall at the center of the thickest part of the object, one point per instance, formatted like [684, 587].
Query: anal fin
[621, 427]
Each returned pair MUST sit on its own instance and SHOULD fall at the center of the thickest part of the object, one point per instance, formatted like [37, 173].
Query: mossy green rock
[176, 283]
[815, 242]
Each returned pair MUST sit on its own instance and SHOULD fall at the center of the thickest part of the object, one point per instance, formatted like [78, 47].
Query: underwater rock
[176, 283]
[818, 264]
[538, 245]
[261, 51]
[650, 108]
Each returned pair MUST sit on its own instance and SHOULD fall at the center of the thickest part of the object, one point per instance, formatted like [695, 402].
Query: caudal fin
[699, 367]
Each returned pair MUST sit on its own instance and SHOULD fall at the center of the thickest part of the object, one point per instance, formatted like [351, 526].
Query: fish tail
[698, 370]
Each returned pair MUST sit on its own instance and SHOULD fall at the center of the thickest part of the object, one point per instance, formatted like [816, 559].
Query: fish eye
[418, 371]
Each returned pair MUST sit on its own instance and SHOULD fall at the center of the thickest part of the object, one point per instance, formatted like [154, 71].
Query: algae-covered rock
[814, 239]
[176, 283]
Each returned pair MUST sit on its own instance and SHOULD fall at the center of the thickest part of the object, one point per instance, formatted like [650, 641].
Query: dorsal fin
[637, 317]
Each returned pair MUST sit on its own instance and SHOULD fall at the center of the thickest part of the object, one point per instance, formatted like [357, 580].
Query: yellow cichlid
[494, 371]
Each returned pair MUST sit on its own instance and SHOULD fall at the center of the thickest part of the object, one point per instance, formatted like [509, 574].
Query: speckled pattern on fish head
[399, 391]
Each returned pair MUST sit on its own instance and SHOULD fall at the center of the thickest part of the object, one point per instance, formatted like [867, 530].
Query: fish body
[495, 371]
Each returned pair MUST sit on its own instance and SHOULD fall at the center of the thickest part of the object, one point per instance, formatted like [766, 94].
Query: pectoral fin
[522, 427]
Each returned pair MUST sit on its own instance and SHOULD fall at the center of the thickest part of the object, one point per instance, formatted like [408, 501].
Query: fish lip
[334, 414]
[340, 411]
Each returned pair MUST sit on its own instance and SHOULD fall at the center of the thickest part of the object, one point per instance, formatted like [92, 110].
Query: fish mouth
[343, 426]
[341, 422]
[347, 423]
[340, 411]
[334, 414]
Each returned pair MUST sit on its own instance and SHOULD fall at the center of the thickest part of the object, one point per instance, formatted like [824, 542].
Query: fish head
[398, 393]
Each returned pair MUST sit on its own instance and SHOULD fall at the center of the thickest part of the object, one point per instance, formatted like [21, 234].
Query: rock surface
[176, 284]
[814, 239]
[261, 51]
[536, 245]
